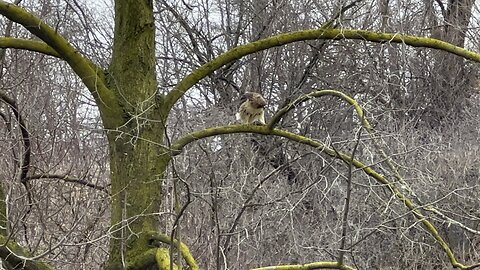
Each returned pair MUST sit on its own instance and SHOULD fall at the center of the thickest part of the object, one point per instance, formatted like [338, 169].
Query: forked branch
[269, 130]
[29, 45]
[322, 33]
[18, 258]
[83, 67]
[186, 254]
[90, 74]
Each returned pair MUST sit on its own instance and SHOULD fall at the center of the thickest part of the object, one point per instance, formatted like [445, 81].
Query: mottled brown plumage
[252, 109]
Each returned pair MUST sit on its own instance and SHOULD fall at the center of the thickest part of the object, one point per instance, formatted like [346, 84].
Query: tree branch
[322, 33]
[66, 178]
[29, 45]
[414, 209]
[310, 266]
[186, 254]
[25, 136]
[17, 257]
[191, 32]
[246, 204]
[90, 74]
[346, 207]
[27, 150]
[361, 114]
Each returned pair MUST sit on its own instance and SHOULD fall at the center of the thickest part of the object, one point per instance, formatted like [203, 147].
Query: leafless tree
[120, 149]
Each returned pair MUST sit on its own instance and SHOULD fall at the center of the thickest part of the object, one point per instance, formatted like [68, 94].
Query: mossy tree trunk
[134, 117]
[137, 159]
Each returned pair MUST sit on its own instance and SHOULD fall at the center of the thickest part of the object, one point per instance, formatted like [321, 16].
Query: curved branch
[179, 144]
[361, 116]
[8, 30]
[184, 250]
[34, 25]
[66, 178]
[90, 74]
[322, 33]
[197, 135]
[310, 266]
[25, 136]
[278, 116]
[27, 150]
[17, 257]
[29, 45]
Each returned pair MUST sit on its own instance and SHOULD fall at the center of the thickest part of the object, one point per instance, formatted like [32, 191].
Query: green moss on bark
[17, 257]
[137, 172]
[138, 160]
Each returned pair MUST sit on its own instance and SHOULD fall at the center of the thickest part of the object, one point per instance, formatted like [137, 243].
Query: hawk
[251, 109]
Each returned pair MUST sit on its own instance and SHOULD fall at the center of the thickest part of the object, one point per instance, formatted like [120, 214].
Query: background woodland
[252, 200]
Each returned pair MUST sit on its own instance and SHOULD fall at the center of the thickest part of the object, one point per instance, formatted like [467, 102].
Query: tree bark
[134, 117]
[451, 84]
[138, 159]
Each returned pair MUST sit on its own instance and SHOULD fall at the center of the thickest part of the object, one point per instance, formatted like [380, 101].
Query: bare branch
[309, 266]
[15, 256]
[25, 135]
[68, 179]
[415, 210]
[29, 45]
[91, 75]
[27, 150]
[322, 33]
[246, 204]
[184, 250]
[346, 207]
[191, 32]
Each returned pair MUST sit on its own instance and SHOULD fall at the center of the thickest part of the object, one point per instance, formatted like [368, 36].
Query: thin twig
[346, 208]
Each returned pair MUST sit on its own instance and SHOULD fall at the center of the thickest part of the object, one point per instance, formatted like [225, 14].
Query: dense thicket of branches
[252, 200]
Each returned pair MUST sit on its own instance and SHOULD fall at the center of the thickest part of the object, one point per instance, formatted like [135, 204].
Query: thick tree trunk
[138, 159]
[137, 171]
[451, 82]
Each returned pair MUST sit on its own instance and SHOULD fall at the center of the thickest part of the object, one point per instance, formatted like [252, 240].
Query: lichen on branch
[313, 34]
[90, 74]
[269, 130]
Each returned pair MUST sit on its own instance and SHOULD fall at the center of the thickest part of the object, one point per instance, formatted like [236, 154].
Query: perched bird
[251, 109]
